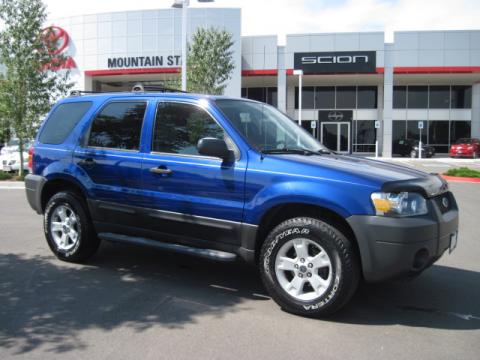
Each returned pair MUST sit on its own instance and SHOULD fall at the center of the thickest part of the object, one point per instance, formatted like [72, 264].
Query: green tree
[210, 61]
[30, 83]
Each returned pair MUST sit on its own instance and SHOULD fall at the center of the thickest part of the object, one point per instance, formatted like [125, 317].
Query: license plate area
[453, 242]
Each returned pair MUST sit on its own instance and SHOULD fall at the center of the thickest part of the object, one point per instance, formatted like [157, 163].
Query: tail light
[31, 153]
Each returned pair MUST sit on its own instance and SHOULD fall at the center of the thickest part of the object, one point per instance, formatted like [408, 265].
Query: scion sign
[336, 62]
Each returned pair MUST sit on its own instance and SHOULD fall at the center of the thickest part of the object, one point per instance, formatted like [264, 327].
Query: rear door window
[62, 121]
[118, 126]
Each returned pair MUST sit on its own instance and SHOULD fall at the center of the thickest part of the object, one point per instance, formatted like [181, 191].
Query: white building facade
[356, 90]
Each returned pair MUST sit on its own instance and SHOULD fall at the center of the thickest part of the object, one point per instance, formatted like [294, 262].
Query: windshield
[265, 128]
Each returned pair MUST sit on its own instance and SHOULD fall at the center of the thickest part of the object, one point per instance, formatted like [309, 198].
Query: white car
[10, 156]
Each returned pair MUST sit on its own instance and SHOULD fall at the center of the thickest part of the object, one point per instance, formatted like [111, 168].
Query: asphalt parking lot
[130, 302]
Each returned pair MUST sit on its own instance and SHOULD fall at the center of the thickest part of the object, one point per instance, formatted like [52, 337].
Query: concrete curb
[7, 185]
[461, 179]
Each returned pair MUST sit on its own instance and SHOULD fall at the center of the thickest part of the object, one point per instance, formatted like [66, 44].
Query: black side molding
[204, 253]
[429, 186]
[33, 188]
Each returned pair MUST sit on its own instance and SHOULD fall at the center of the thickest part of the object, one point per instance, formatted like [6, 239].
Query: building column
[476, 110]
[386, 124]
[281, 80]
[380, 118]
[88, 83]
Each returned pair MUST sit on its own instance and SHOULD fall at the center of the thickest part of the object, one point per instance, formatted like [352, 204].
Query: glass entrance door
[335, 136]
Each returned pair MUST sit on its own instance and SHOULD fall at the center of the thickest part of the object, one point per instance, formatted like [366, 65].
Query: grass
[463, 172]
[5, 176]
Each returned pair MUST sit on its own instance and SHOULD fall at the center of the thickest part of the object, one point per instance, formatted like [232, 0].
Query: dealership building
[356, 88]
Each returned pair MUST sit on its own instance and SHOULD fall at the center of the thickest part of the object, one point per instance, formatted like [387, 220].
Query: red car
[465, 147]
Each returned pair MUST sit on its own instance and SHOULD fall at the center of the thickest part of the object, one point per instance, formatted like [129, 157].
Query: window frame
[237, 152]
[94, 116]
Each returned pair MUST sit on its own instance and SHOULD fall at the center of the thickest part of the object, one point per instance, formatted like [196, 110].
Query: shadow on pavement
[44, 302]
[442, 298]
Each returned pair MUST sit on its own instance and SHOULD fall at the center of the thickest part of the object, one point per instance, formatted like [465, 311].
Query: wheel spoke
[63, 240]
[56, 226]
[73, 219]
[318, 284]
[62, 213]
[301, 248]
[320, 260]
[286, 263]
[73, 235]
[296, 285]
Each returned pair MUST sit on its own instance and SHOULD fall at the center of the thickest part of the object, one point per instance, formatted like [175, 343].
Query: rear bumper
[33, 187]
[398, 247]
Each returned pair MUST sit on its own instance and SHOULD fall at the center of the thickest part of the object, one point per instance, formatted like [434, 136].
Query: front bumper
[33, 188]
[397, 247]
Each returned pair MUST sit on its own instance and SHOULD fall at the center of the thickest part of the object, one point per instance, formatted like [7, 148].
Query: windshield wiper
[299, 151]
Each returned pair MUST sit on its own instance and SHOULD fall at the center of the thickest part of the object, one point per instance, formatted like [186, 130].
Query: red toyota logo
[58, 36]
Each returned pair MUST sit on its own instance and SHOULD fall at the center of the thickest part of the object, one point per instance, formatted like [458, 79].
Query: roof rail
[81, 92]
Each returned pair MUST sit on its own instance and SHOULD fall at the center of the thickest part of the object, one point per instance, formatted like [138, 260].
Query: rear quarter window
[62, 121]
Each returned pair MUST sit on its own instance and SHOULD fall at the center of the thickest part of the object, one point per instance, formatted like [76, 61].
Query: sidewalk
[12, 185]
[435, 164]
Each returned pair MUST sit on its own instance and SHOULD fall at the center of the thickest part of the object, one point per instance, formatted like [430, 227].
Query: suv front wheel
[68, 229]
[309, 267]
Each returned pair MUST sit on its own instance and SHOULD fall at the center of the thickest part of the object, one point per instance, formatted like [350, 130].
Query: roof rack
[137, 88]
[81, 92]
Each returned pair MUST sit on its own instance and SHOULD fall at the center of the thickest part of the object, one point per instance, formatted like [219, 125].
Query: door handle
[163, 170]
[89, 162]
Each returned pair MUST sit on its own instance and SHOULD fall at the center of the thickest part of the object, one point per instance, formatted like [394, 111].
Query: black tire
[88, 241]
[343, 256]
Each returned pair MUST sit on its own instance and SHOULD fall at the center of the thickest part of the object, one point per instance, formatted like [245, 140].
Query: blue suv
[228, 179]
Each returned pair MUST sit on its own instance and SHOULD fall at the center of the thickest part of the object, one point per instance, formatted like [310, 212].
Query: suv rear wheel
[68, 229]
[309, 267]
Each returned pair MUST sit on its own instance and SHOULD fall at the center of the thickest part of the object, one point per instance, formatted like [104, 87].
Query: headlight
[399, 204]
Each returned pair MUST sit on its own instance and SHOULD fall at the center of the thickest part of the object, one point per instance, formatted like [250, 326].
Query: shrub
[463, 172]
[5, 176]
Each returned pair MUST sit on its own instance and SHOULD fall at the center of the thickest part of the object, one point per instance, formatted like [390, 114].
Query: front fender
[345, 199]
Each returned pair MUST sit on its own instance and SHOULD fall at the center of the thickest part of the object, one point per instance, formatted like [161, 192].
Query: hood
[363, 171]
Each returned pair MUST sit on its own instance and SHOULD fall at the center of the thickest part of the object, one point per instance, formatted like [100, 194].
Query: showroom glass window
[365, 136]
[413, 132]
[308, 97]
[366, 97]
[346, 97]
[399, 130]
[438, 135]
[256, 93]
[325, 97]
[118, 126]
[417, 97]
[439, 97]
[399, 97]
[461, 97]
[272, 96]
[459, 129]
[179, 126]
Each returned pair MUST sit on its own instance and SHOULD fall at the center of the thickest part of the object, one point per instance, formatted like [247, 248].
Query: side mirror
[214, 147]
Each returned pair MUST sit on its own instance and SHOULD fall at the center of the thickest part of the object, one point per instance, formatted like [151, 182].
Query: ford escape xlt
[233, 179]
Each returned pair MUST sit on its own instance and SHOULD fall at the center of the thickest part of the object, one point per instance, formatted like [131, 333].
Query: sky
[280, 17]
